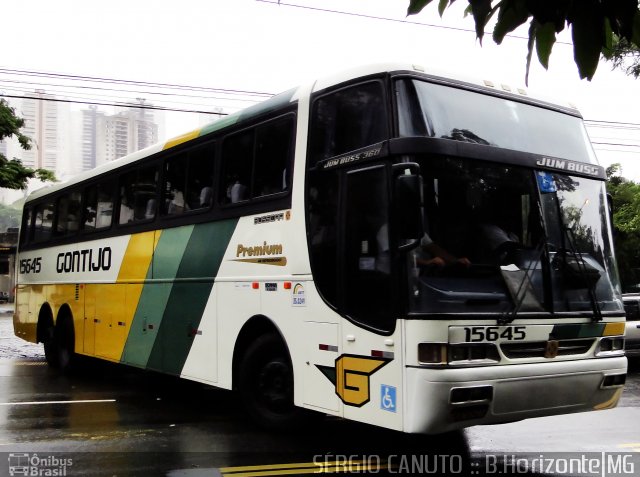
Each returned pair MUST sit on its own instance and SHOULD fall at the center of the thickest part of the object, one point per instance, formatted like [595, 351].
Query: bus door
[105, 320]
[369, 370]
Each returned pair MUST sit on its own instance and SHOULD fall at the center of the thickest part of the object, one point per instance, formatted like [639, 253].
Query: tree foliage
[13, 174]
[625, 56]
[594, 25]
[625, 196]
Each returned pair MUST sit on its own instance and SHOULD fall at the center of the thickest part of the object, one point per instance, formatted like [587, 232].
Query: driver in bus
[437, 255]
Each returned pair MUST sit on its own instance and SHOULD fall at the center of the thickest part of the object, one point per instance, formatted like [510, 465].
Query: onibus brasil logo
[34, 465]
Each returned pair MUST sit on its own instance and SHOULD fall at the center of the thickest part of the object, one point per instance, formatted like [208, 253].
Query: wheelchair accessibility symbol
[388, 398]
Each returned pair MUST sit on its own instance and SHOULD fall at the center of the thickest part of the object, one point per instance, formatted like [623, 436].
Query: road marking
[297, 469]
[634, 446]
[32, 403]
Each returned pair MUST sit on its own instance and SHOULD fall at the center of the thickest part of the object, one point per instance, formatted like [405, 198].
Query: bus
[386, 245]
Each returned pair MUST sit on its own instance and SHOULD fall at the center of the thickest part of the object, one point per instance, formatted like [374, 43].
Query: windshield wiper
[586, 274]
[522, 291]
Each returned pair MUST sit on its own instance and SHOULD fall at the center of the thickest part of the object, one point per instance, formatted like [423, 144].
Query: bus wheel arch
[263, 375]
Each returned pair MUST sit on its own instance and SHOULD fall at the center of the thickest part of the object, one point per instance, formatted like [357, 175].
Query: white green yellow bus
[385, 245]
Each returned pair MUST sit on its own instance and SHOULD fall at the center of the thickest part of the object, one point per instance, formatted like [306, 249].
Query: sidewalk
[6, 309]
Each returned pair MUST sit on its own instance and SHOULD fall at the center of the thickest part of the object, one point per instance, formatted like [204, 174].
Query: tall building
[109, 137]
[45, 121]
[90, 119]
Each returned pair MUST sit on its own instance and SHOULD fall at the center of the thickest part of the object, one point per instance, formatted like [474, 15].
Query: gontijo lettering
[87, 260]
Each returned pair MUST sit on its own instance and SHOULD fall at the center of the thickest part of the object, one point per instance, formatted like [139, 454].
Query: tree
[625, 56]
[13, 174]
[594, 25]
[625, 196]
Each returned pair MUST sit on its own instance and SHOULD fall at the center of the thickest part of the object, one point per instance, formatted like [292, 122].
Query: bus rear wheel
[266, 384]
[59, 345]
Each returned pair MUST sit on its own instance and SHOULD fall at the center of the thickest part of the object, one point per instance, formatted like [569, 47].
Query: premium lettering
[259, 250]
[87, 260]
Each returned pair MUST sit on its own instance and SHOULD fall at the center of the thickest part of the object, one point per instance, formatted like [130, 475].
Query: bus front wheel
[266, 384]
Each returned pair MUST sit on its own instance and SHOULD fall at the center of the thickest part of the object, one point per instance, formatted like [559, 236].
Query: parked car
[632, 331]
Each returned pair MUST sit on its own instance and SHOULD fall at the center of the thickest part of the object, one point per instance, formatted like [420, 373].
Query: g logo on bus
[552, 348]
[351, 377]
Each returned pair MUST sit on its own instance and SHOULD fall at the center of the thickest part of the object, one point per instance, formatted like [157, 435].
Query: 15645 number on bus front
[474, 334]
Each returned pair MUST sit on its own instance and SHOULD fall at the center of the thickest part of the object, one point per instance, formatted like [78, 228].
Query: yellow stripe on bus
[137, 258]
[133, 271]
[180, 139]
[613, 329]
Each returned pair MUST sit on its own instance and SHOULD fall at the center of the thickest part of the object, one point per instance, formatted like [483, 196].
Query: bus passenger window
[138, 195]
[69, 211]
[175, 185]
[237, 158]
[98, 206]
[43, 223]
[188, 181]
[27, 215]
[199, 189]
[273, 151]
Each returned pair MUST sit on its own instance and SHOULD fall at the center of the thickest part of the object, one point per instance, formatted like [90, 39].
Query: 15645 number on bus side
[31, 265]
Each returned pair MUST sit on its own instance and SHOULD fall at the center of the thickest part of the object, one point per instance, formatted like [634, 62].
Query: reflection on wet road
[115, 420]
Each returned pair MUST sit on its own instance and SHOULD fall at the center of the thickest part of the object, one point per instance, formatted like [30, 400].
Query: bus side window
[237, 158]
[348, 119]
[273, 152]
[43, 223]
[25, 232]
[138, 191]
[200, 178]
[68, 218]
[188, 181]
[98, 206]
[175, 189]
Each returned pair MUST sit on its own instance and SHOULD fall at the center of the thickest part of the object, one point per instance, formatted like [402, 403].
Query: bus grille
[536, 349]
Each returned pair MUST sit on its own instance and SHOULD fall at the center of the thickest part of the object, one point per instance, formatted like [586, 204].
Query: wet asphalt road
[112, 420]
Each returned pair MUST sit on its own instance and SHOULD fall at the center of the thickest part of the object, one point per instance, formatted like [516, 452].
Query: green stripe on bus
[590, 330]
[154, 297]
[189, 295]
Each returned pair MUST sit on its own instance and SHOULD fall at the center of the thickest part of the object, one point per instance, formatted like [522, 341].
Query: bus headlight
[608, 346]
[458, 354]
[432, 353]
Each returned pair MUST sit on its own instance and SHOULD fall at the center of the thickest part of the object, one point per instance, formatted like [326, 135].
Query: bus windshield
[515, 240]
[433, 110]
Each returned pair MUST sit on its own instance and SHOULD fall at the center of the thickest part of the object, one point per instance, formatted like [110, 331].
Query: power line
[396, 20]
[80, 96]
[615, 144]
[98, 88]
[122, 105]
[97, 79]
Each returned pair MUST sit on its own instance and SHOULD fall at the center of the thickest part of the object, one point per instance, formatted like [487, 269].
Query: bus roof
[283, 99]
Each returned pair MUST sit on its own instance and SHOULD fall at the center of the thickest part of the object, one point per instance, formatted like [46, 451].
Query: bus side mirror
[408, 208]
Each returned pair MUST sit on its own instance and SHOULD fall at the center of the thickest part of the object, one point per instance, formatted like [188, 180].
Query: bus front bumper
[441, 400]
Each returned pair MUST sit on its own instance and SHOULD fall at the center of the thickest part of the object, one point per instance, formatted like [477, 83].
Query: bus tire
[63, 347]
[266, 384]
[50, 347]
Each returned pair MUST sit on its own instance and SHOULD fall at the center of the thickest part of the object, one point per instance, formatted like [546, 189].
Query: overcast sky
[259, 46]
